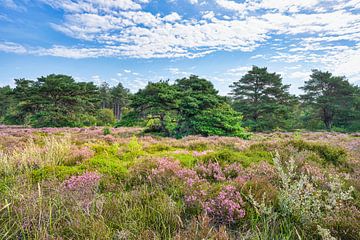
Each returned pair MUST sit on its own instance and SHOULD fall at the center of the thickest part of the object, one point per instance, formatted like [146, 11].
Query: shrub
[246, 157]
[303, 199]
[200, 227]
[220, 121]
[142, 212]
[133, 150]
[106, 131]
[329, 154]
[226, 207]
[105, 117]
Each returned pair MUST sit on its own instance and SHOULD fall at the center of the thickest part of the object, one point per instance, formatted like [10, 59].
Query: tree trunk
[120, 114]
[163, 125]
[328, 118]
[117, 111]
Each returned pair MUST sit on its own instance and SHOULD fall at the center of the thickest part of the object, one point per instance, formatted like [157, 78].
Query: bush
[220, 121]
[329, 154]
[131, 119]
[106, 131]
[105, 117]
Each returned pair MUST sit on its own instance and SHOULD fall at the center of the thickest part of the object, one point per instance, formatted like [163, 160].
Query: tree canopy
[263, 99]
[259, 101]
[332, 98]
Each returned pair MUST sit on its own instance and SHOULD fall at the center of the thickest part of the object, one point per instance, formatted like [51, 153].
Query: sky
[137, 41]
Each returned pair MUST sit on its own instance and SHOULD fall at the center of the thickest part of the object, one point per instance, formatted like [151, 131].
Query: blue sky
[136, 41]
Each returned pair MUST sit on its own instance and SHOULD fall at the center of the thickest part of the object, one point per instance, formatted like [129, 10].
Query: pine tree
[262, 98]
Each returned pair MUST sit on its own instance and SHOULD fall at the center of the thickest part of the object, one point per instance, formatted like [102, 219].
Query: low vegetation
[119, 183]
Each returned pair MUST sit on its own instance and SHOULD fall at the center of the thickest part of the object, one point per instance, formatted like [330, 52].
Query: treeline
[259, 101]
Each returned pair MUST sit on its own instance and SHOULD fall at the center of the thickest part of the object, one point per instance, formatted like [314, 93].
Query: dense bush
[105, 117]
[329, 154]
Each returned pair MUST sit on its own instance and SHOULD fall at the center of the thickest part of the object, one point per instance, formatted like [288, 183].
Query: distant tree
[195, 95]
[222, 120]
[120, 98]
[105, 117]
[189, 106]
[6, 100]
[105, 95]
[55, 100]
[263, 99]
[332, 98]
[158, 101]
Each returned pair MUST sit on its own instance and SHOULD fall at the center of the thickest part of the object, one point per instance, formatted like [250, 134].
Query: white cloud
[10, 4]
[238, 71]
[193, 1]
[208, 15]
[173, 17]
[93, 6]
[299, 75]
[12, 48]
[324, 33]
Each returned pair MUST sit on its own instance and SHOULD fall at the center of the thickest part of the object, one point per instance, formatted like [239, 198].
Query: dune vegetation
[119, 183]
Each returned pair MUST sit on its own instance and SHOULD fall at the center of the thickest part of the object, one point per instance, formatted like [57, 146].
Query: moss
[158, 147]
[186, 160]
[107, 149]
[245, 158]
[108, 164]
[133, 150]
[327, 153]
[58, 172]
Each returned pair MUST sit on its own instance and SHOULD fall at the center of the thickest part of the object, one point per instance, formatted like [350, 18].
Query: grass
[155, 188]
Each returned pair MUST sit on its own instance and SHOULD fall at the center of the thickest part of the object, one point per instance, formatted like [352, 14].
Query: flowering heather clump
[168, 167]
[226, 208]
[165, 165]
[80, 154]
[82, 189]
[109, 138]
[211, 171]
[203, 153]
[182, 151]
[86, 182]
[233, 170]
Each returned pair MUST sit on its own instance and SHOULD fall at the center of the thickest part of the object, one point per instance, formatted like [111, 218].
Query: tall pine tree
[263, 99]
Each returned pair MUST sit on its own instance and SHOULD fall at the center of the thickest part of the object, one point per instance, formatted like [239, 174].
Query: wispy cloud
[312, 31]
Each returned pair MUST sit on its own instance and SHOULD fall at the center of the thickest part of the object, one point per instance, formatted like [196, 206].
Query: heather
[121, 183]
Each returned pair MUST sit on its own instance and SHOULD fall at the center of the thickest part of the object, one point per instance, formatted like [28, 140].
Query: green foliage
[106, 131]
[190, 106]
[131, 119]
[333, 99]
[220, 121]
[133, 150]
[262, 99]
[55, 100]
[105, 117]
[329, 154]
[245, 158]
[56, 172]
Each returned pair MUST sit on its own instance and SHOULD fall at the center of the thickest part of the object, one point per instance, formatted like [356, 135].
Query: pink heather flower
[81, 153]
[181, 152]
[211, 171]
[203, 153]
[233, 170]
[226, 208]
[85, 182]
